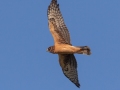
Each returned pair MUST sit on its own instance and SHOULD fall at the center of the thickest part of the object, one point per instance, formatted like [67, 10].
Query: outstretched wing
[68, 64]
[61, 30]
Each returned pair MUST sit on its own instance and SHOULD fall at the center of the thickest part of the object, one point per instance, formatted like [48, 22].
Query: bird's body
[68, 49]
[62, 45]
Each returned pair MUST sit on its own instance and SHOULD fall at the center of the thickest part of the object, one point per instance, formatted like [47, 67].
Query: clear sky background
[24, 38]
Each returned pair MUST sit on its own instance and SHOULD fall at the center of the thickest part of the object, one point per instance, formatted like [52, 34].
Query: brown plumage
[62, 45]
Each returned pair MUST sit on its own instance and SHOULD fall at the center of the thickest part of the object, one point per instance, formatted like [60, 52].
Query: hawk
[62, 45]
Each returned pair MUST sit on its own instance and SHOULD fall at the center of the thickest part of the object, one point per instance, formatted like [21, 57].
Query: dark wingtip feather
[77, 84]
[52, 5]
[54, 2]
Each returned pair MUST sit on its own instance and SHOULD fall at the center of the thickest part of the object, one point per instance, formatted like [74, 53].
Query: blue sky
[24, 38]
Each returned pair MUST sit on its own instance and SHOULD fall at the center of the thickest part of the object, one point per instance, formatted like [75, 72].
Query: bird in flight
[62, 45]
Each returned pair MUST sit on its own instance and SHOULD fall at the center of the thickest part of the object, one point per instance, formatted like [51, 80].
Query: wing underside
[54, 13]
[68, 64]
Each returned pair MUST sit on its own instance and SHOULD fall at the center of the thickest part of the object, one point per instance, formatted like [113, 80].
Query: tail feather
[84, 50]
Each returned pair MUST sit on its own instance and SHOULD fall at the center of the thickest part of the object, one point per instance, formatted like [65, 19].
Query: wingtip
[54, 1]
[53, 4]
[77, 84]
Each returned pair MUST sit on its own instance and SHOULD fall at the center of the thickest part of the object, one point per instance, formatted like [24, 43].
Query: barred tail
[84, 50]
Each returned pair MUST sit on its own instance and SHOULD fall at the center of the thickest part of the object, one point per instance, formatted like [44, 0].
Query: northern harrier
[62, 45]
